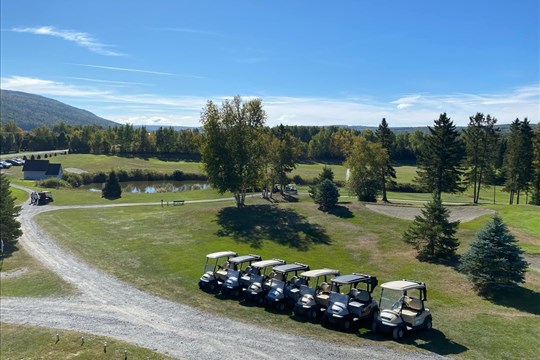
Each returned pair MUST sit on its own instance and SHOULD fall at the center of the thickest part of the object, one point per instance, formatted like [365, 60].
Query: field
[162, 250]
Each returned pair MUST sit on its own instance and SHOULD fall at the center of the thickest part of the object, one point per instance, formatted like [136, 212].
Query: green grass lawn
[162, 250]
[32, 342]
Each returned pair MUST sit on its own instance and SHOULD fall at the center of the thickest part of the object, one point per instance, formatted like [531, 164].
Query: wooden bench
[178, 202]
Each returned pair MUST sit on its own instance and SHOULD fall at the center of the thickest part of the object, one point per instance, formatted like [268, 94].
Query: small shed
[41, 169]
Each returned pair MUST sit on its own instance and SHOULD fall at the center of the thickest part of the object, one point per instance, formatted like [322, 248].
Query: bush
[325, 194]
[405, 187]
[112, 189]
[53, 183]
[75, 180]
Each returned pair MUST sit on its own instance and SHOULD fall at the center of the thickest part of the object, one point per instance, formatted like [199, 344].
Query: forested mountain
[30, 111]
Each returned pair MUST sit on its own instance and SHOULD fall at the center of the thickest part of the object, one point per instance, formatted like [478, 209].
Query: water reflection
[152, 187]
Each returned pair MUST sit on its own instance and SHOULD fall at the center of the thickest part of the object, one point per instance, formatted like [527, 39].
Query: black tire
[281, 306]
[397, 333]
[346, 325]
[428, 324]
[313, 314]
[374, 326]
[260, 300]
[212, 286]
[236, 293]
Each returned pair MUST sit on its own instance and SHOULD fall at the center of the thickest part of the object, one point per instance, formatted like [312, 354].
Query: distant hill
[30, 111]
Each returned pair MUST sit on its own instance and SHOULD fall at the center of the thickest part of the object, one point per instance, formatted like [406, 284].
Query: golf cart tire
[346, 325]
[281, 306]
[313, 314]
[212, 286]
[374, 327]
[397, 333]
[236, 293]
[260, 300]
[428, 324]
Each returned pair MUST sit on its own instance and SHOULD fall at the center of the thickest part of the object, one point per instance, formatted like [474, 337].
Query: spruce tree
[535, 181]
[494, 261]
[439, 165]
[112, 188]
[325, 194]
[386, 138]
[10, 228]
[432, 234]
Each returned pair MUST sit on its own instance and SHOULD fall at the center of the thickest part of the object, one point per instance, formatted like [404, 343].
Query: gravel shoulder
[109, 307]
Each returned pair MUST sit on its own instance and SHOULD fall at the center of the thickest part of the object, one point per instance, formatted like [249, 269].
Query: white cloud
[80, 38]
[126, 69]
[407, 110]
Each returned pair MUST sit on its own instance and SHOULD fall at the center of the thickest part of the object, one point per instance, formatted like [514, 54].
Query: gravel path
[109, 307]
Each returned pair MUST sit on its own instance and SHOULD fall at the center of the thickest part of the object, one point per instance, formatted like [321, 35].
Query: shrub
[325, 194]
[53, 183]
[75, 180]
[112, 189]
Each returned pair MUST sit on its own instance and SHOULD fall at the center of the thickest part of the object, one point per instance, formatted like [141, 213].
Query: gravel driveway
[109, 307]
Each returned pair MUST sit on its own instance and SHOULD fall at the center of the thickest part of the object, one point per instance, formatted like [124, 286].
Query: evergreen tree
[518, 159]
[325, 194]
[10, 228]
[112, 188]
[432, 234]
[439, 167]
[326, 173]
[386, 138]
[493, 260]
[480, 144]
[535, 181]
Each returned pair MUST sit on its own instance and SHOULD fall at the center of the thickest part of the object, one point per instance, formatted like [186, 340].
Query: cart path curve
[109, 307]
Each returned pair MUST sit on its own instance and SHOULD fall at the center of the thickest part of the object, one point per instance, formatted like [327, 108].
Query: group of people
[34, 198]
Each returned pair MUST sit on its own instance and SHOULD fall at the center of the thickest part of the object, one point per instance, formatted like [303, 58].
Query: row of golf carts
[342, 300]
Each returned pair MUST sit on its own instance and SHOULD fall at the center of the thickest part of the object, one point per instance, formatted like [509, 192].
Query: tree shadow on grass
[9, 249]
[433, 340]
[254, 224]
[517, 297]
[342, 212]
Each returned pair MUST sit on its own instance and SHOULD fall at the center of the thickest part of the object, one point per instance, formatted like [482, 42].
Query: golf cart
[259, 282]
[314, 295]
[215, 271]
[283, 292]
[402, 308]
[44, 197]
[238, 274]
[355, 304]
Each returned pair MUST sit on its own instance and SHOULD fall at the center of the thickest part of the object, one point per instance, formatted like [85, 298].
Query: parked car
[402, 308]
[4, 165]
[215, 270]
[15, 162]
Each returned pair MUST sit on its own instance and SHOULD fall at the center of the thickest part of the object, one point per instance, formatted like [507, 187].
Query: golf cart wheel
[281, 306]
[428, 324]
[374, 326]
[397, 333]
[346, 325]
[313, 314]
[236, 293]
[212, 286]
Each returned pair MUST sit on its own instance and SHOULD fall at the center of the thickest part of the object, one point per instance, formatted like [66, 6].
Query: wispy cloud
[127, 69]
[111, 82]
[80, 38]
[415, 109]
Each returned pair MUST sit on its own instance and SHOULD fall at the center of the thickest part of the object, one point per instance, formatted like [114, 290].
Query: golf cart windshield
[209, 268]
[276, 284]
[233, 273]
[256, 278]
[391, 299]
[338, 298]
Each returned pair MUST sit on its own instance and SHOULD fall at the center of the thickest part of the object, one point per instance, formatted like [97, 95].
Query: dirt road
[107, 306]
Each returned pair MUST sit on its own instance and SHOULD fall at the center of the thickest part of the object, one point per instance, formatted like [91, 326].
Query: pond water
[152, 187]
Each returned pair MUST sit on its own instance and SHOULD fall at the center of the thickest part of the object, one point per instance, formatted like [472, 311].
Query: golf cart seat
[324, 294]
[411, 308]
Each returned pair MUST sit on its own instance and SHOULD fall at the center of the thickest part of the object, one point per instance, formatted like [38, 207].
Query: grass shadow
[519, 298]
[256, 223]
[433, 341]
[342, 212]
[9, 249]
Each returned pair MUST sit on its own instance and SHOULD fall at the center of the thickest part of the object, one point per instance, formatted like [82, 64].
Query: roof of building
[54, 169]
[36, 165]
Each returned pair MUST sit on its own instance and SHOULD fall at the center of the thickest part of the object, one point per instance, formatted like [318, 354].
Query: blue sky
[311, 62]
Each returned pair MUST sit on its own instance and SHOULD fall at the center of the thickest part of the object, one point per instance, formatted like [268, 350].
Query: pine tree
[10, 228]
[386, 138]
[493, 260]
[518, 159]
[112, 188]
[439, 167]
[432, 234]
[325, 194]
[535, 181]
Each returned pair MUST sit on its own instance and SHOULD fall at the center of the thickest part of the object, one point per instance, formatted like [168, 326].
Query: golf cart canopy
[244, 258]
[266, 263]
[319, 272]
[221, 254]
[354, 279]
[403, 285]
[290, 267]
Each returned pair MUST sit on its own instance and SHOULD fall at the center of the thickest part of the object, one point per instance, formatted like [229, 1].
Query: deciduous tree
[386, 138]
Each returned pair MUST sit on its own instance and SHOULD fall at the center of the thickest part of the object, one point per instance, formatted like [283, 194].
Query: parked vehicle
[4, 165]
[238, 274]
[15, 162]
[44, 197]
[314, 295]
[402, 308]
[215, 270]
[282, 292]
[348, 304]
[259, 282]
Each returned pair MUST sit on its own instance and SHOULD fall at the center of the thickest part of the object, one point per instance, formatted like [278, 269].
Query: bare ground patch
[13, 273]
[461, 213]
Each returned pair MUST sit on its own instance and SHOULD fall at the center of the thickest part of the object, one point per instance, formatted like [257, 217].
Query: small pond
[152, 187]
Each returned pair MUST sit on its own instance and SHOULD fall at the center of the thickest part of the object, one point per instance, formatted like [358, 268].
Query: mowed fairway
[162, 250]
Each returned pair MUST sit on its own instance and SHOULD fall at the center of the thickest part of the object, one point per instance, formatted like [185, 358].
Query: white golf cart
[348, 304]
[282, 292]
[314, 295]
[238, 274]
[259, 282]
[402, 308]
[215, 270]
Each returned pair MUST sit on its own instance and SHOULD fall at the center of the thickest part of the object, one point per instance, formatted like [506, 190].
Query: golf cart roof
[244, 258]
[266, 263]
[221, 254]
[290, 267]
[319, 272]
[352, 279]
[403, 285]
